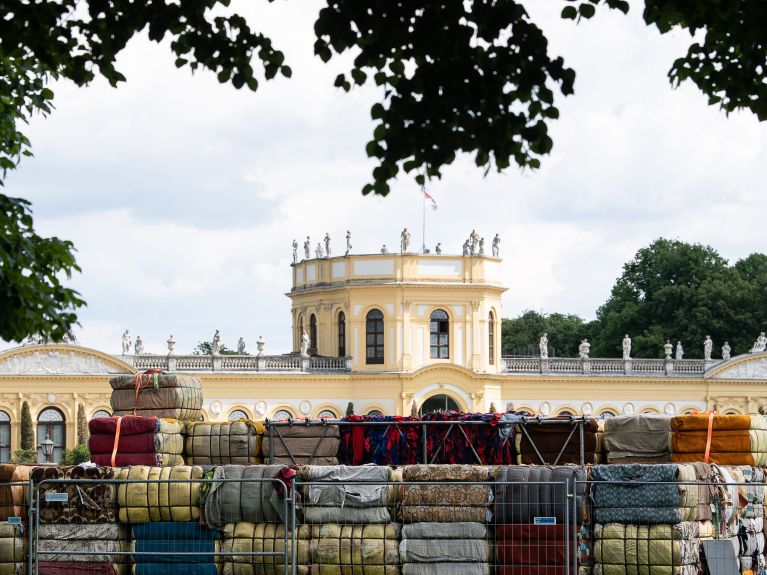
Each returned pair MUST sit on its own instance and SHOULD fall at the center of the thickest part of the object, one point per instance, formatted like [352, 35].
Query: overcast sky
[182, 195]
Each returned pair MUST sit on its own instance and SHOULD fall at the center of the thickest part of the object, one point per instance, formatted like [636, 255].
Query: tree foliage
[27, 428]
[77, 455]
[206, 348]
[520, 335]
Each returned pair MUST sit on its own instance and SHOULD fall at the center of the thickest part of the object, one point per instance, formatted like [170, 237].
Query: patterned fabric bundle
[638, 438]
[246, 537]
[649, 549]
[523, 493]
[177, 500]
[86, 502]
[391, 444]
[354, 549]
[244, 493]
[13, 490]
[458, 445]
[13, 549]
[224, 443]
[64, 542]
[76, 568]
[555, 443]
[527, 549]
[727, 439]
[141, 441]
[445, 549]
[177, 548]
[343, 501]
[157, 394]
[460, 502]
[644, 493]
[298, 444]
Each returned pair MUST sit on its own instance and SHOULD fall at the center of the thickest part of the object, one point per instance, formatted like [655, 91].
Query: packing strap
[711, 413]
[142, 379]
[117, 441]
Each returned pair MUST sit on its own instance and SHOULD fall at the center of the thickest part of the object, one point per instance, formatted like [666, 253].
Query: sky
[182, 195]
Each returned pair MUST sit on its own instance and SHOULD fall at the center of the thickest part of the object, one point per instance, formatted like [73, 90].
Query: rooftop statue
[584, 348]
[171, 344]
[679, 351]
[305, 343]
[708, 347]
[348, 242]
[241, 346]
[404, 241]
[726, 351]
[384, 249]
[438, 249]
[496, 245]
[327, 244]
[482, 246]
[295, 252]
[139, 347]
[760, 344]
[308, 248]
[216, 344]
[466, 248]
[543, 346]
[318, 250]
[667, 349]
[126, 343]
[626, 347]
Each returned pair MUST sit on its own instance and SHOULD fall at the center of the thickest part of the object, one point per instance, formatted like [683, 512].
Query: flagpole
[423, 231]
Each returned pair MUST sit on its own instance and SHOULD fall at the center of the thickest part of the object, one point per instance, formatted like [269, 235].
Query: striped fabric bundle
[354, 549]
[721, 439]
[148, 500]
[224, 443]
[644, 438]
[174, 548]
[298, 444]
[136, 440]
[157, 394]
[93, 543]
[13, 549]
[241, 538]
[445, 549]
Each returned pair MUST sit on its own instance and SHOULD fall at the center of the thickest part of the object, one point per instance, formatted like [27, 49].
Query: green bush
[77, 455]
[24, 457]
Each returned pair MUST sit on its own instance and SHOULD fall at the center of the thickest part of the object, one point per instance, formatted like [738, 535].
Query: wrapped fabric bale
[344, 501]
[649, 549]
[224, 443]
[96, 543]
[461, 548]
[241, 538]
[250, 494]
[642, 438]
[644, 493]
[735, 439]
[157, 394]
[749, 543]
[391, 444]
[750, 482]
[14, 489]
[140, 441]
[301, 444]
[173, 548]
[75, 568]
[600, 453]
[461, 502]
[467, 444]
[523, 493]
[13, 549]
[149, 500]
[527, 549]
[355, 549]
[86, 502]
[542, 443]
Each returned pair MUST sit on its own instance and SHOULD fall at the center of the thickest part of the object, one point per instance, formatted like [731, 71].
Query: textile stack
[448, 533]
[353, 549]
[749, 530]
[298, 444]
[523, 494]
[85, 502]
[240, 539]
[638, 439]
[14, 489]
[176, 499]
[177, 547]
[721, 439]
[90, 548]
[154, 393]
[390, 444]
[223, 443]
[556, 443]
[13, 549]
[136, 440]
[647, 519]
[468, 444]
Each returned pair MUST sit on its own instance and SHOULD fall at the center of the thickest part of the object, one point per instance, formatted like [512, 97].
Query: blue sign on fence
[52, 497]
[14, 520]
[544, 520]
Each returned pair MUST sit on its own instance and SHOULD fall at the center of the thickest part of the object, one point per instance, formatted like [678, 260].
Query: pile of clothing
[478, 443]
[238, 540]
[744, 523]
[89, 548]
[136, 440]
[642, 438]
[157, 394]
[541, 443]
[721, 439]
[13, 549]
[85, 502]
[14, 485]
[176, 547]
[177, 498]
[395, 443]
[301, 444]
[223, 443]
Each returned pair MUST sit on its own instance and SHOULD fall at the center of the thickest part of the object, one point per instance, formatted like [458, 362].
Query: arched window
[101, 413]
[51, 425]
[565, 412]
[439, 326]
[238, 414]
[327, 414]
[313, 334]
[374, 337]
[283, 414]
[341, 335]
[5, 437]
[375, 413]
[439, 402]
[491, 339]
[606, 414]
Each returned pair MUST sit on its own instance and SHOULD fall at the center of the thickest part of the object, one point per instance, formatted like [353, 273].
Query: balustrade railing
[292, 362]
[604, 366]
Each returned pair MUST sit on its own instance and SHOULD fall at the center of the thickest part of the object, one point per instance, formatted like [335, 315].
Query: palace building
[384, 331]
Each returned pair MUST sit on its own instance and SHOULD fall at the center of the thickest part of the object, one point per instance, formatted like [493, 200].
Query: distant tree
[678, 291]
[77, 455]
[82, 425]
[520, 336]
[349, 409]
[753, 270]
[24, 457]
[27, 428]
[206, 348]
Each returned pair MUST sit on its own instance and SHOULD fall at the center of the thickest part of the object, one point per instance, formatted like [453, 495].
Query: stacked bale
[174, 548]
[14, 487]
[460, 511]
[353, 549]
[13, 549]
[642, 438]
[157, 394]
[301, 444]
[175, 499]
[523, 494]
[76, 548]
[647, 519]
[136, 440]
[223, 443]
[556, 443]
[85, 502]
[241, 539]
[748, 531]
[721, 439]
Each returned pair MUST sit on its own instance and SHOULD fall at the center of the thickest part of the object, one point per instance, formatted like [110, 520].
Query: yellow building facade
[383, 331]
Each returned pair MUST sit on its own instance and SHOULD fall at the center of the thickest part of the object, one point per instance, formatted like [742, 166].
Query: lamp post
[47, 447]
